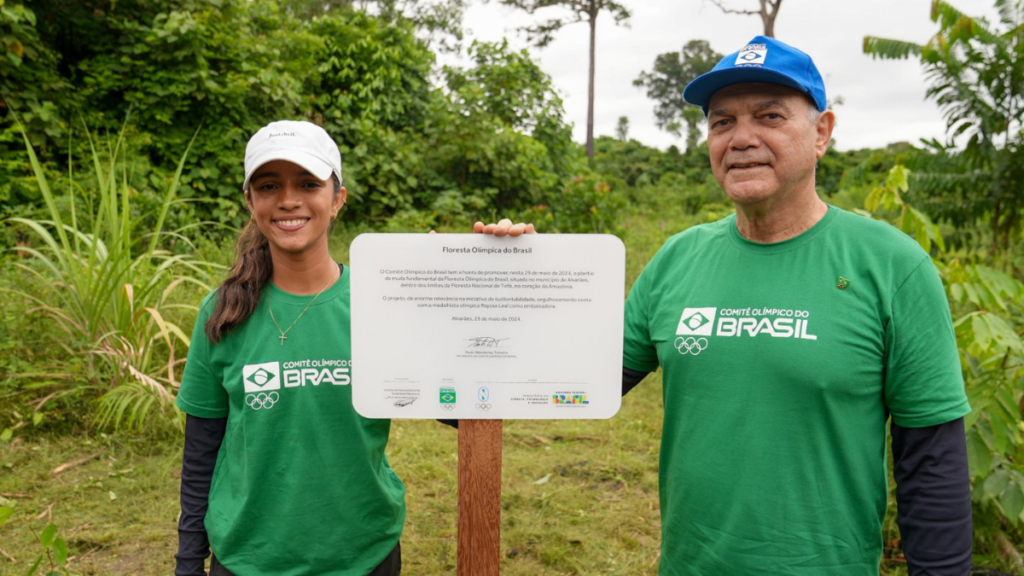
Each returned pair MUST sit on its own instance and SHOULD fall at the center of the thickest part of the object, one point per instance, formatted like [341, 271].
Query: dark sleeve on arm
[933, 498]
[630, 379]
[203, 437]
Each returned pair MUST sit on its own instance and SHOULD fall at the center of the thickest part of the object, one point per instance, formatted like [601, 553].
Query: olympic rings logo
[262, 400]
[691, 345]
[447, 407]
[485, 406]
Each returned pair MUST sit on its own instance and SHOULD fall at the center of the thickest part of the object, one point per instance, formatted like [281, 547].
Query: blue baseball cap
[763, 59]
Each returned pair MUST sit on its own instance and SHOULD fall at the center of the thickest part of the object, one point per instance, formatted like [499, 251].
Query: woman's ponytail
[238, 297]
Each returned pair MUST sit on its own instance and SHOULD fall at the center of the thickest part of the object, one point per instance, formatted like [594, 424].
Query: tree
[768, 11]
[622, 129]
[977, 79]
[504, 138]
[492, 136]
[437, 21]
[578, 11]
[672, 72]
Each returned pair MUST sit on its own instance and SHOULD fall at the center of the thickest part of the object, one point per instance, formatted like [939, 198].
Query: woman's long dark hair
[239, 295]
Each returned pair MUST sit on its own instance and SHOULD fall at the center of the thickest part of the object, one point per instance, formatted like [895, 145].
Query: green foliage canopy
[492, 137]
[976, 71]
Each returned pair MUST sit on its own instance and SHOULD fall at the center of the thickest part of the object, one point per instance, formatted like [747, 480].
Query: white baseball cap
[302, 143]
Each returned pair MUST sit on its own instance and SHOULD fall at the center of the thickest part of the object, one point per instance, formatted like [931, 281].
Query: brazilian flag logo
[447, 396]
[697, 320]
[260, 377]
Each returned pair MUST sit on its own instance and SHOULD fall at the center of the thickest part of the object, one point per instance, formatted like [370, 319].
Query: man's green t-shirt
[301, 485]
[781, 364]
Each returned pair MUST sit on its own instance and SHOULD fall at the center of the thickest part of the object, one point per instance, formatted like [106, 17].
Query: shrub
[105, 278]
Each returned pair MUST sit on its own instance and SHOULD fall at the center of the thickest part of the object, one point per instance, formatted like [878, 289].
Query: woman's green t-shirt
[302, 485]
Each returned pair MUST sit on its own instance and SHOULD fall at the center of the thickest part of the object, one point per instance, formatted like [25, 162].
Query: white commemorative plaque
[471, 326]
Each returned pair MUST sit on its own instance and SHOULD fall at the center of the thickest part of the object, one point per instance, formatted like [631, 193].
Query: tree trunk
[692, 135]
[769, 10]
[590, 100]
[995, 227]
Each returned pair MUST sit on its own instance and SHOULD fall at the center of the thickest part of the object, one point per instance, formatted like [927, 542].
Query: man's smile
[747, 165]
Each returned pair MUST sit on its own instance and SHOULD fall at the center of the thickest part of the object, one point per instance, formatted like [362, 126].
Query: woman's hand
[504, 227]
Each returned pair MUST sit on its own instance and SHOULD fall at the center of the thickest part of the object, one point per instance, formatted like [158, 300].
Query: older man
[788, 333]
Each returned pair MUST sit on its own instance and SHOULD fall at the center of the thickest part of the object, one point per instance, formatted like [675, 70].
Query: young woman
[280, 475]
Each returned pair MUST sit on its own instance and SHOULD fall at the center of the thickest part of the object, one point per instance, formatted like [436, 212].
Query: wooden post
[479, 551]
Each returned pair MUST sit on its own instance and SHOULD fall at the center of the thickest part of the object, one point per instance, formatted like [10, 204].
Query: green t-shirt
[781, 363]
[301, 485]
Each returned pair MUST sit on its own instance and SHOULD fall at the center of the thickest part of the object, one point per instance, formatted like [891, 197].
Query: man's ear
[824, 126]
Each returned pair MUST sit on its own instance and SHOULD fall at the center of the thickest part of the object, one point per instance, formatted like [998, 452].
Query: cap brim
[700, 91]
[315, 166]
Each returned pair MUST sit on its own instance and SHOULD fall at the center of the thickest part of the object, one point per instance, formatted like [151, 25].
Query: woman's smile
[291, 223]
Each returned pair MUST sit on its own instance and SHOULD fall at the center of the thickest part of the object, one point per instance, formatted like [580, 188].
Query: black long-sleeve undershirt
[203, 437]
[933, 492]
[933, 498]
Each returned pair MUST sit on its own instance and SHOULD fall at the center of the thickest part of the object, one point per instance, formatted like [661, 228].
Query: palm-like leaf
[890, 49]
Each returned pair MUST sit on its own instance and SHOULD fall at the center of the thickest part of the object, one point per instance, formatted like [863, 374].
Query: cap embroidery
[273, 135]
[752, 54]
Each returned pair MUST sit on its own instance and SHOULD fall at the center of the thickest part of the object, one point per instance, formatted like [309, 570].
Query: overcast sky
[884, 99]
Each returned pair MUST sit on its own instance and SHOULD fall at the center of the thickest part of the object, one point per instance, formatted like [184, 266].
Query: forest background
[122, 128]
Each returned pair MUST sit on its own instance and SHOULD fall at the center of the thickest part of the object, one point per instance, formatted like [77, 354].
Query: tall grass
[101, 271]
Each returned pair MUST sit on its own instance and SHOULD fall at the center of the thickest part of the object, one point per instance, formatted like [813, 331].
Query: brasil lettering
[778, 328]
[314, 376]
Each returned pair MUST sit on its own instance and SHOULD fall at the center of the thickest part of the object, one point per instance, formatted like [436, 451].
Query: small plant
[55, 552]
[5, 513]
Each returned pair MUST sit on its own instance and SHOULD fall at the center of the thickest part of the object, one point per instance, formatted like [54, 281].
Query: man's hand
[504, 227]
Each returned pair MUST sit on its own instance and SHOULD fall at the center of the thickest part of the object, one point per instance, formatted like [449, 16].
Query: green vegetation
[975, 70]
[104, 277]
[665, 83]
[121, 147]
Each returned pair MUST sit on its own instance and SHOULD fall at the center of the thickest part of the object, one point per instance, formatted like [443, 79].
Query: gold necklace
[285, 331]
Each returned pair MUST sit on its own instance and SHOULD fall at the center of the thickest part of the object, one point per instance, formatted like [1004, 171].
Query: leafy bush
[372, 94]
[29, 85]
[586, 205]
[987, 307]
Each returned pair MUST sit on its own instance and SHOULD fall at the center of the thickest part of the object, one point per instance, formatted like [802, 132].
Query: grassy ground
[578, 497]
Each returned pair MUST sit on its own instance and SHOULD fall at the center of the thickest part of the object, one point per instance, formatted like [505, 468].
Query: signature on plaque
[485, 342]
